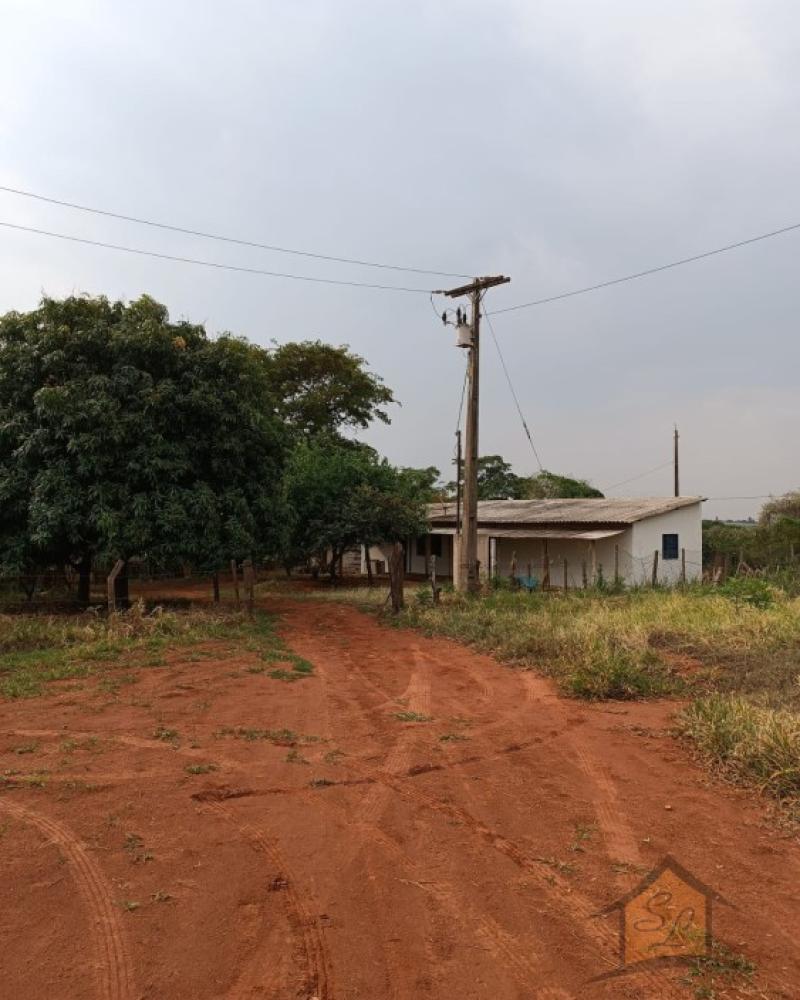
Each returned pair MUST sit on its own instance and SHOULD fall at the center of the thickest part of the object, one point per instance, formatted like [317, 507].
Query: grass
[411, 717]
[36, 649]
[752, 743]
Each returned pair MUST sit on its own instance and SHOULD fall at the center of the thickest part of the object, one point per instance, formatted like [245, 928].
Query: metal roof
[588, 510]
[562, 534]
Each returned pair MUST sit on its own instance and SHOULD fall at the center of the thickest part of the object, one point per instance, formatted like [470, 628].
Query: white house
[581, 540]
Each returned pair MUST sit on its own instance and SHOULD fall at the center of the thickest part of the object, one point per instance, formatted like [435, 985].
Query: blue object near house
[530, 583]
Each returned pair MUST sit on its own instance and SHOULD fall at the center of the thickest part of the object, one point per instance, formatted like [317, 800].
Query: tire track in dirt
[113, 967]
[524, 958]
[621, 844]
[301, 918]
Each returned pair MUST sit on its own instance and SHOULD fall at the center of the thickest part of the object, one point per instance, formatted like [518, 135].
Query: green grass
[36, 649]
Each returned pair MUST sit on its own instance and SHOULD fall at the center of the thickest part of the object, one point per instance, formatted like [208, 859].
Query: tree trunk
[369, 566]
[85, 580]
[397, 576]
[122, 597]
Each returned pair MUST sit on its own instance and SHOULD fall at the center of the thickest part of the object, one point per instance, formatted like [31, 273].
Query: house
[580, 541]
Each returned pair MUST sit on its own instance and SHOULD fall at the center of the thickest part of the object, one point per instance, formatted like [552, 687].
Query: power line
[225, 239]
[213, 264]
[650, 270]
[513, 393]
[641, 475]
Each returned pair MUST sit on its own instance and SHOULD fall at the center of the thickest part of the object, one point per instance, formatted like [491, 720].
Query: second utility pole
[468, 578]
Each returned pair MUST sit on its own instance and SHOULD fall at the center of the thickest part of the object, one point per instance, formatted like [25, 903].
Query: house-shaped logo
[666, 916]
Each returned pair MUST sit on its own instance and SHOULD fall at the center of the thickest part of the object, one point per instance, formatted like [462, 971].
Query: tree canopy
[321, 389]
[551, 486]
[339, 495]
[123, 433]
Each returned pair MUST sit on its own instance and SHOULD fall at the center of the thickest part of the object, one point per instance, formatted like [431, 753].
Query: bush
[749, 590]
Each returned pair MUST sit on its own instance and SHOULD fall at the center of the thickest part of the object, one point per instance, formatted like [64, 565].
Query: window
[669, 546]
[436, 545]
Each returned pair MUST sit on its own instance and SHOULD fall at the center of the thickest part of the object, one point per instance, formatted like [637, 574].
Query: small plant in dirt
[200, 768]
[295, 757]
[281, 737]
[453, 738]
[412, 717]
[333, 756]
[583, 833]
[718, 970]
[320, 783]
[129, 905]
[166, 735]
[159, 896]
[134, 845]
[23, 748]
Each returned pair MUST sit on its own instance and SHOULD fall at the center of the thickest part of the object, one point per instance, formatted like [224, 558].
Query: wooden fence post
[655, 568]
[593, 548]
[583, 574]
[235, 575]
[249, 585]
[434, 588]
[616, 565]
[566, 577]
[396, 576]
[545, 568]
[683, 567]
[111, 583]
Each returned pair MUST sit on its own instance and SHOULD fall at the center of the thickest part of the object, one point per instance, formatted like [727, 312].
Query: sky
[561, 143]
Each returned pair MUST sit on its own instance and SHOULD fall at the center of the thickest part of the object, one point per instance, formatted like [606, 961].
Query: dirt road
[412, 821]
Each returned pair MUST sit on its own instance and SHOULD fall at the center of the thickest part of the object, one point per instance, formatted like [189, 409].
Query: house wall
[531, 550]
[414, 563]
[636, 546]
[687, 524]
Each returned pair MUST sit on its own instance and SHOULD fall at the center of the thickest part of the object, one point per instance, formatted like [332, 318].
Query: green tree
[550, 486]
[496, 480]
[321, 389]
[340, 495]
[787, 505]
[124, 434]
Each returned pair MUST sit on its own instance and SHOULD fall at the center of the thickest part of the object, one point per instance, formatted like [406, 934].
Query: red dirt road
[460, 857]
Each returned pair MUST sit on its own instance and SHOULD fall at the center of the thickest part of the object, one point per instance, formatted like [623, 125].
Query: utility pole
[458, 482]
[468, 555]
[675, 462]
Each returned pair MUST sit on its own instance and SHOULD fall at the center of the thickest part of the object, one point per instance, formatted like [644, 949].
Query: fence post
[545, 568]
[215, 582]
[616, 565]
[566, 577]
[683, 567]
[593, 549]
[235, 575]
[434, 588]
[249, 585]
[111, 583]
[583, 574]
[397, 576]
[655, 568]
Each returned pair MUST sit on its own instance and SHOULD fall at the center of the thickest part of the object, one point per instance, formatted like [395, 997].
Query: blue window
[669, 546]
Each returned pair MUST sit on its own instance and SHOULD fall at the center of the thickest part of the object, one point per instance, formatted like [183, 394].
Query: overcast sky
[562, 143]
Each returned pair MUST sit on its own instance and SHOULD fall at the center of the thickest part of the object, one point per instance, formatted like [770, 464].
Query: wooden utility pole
[675, 462]
[468, 561]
